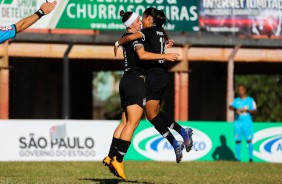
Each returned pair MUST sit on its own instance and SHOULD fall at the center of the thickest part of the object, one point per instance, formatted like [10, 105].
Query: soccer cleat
[107, 162]
[118, 167]
[178, 151]
[251, 160]
[188, 142]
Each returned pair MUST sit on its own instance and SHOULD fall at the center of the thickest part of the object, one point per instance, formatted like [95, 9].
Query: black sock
[161, 127]
[122, 149]
[170, 122]
[113, 148]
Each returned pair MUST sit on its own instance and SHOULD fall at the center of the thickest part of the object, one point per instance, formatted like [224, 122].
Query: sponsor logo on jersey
[269, 143]
[152, 145]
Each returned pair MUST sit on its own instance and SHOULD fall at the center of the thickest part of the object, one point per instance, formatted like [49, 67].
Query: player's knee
[132, 124]
[151, 115]
[123, 122]
[238, 142]
[249, 141]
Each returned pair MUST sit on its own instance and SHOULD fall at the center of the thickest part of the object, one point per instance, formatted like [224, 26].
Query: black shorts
[132, 91]
[156, 84]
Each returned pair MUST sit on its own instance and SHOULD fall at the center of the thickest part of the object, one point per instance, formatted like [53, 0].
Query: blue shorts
[243, 128]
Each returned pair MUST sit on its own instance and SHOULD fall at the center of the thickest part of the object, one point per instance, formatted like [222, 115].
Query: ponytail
[125, 15]
[159, 18]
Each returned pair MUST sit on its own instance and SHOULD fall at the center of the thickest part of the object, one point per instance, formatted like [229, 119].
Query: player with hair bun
[154, 38]
[132, 93]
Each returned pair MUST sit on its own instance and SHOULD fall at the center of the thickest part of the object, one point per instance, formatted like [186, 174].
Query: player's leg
[116, 136]
[250, 150]
[238, 150]
[248, 133]
[238, 139]
[186, 133]
[156, 86]
[115, 142]
[133, 116]
[133, 96]
[118, 130]
[152, 113]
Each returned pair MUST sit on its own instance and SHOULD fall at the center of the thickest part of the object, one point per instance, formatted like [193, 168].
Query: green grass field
[141, 172]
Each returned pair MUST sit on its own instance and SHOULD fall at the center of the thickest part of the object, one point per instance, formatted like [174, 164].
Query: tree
[267, 92]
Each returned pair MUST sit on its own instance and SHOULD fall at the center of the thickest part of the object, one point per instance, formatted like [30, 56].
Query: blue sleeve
[253, 105]
[7, 32]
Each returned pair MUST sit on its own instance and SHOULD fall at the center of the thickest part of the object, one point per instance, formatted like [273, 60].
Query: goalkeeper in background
[244, 107]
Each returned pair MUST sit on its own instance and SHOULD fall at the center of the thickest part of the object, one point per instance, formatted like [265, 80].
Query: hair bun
[121, 13]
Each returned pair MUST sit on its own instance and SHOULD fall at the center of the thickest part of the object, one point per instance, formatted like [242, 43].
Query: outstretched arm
[144, 55]
[45, 9]
[126, 39]
[129, 38]
[26, 22]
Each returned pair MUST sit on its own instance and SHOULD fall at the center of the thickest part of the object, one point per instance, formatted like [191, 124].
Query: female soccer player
[154, 38]
[132, 93]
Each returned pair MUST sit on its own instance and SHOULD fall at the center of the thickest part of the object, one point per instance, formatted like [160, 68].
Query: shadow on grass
[112, 181]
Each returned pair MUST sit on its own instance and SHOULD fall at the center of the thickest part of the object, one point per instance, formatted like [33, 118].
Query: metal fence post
[66, 83]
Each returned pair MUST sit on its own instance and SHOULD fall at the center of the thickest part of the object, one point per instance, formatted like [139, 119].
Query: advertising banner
[53, 140]
[57, 140]
[212, 141]
[258, 17]
[100, 14]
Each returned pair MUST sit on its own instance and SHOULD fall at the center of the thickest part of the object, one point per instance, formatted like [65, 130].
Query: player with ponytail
[154, 38]
[132, 94]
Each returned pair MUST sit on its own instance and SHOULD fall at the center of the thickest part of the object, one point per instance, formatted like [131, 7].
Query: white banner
[69, 140]
[55, 140]
[98, 14]
[12, 11]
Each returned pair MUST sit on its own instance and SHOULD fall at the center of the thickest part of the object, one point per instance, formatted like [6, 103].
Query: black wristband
[40, 13]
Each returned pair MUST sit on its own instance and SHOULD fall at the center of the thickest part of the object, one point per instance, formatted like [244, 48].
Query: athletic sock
[113, 148]
[173, 124]
[238, 151]
[250, 149]
[160, 126]
[122, 149]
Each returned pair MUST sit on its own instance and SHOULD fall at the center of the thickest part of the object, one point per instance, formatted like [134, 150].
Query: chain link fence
[35, 88]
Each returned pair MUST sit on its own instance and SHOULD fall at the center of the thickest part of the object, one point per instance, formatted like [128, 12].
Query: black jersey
[132, 63]
[154, 41]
